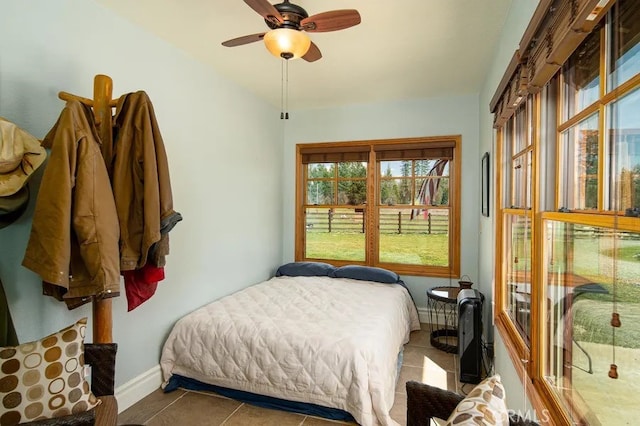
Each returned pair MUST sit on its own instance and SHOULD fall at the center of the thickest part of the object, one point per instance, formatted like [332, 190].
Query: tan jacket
[74, 236]
[139, 173]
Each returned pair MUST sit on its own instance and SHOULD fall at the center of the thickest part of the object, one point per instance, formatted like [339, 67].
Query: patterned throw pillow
[45, 378]
[484, 405]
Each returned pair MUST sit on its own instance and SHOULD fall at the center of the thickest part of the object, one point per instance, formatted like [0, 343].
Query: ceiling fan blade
[266, 10]
[313, 54]
[239, 41]
[331, 21]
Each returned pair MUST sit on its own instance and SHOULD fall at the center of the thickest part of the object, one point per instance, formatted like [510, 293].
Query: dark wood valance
[555, 31]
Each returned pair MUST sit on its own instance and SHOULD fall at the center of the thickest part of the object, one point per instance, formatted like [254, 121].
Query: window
[580, 150]
[517, 175]
[568, 250]
[388, 203]
[590, 274]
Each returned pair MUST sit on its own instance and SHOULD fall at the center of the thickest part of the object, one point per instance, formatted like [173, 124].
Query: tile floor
[421, 362]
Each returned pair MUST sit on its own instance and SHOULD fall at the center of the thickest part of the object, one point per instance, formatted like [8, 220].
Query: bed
[315, 336]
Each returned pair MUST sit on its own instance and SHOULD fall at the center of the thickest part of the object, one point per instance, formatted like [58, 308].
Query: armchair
[425, 402]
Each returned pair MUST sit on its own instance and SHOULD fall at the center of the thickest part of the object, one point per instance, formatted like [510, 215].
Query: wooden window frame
[384, 150]
[550, 41]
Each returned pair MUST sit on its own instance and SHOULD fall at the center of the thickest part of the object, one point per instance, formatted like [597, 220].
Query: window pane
[432, 191]
[320, 170]
[548, 147]
[335, 234]
[320, 192]
[395, 168]
[624, 58]
[521, 139]
[581, 76]
[519, 176]
[529, 136]
[435, 167]
[528, 181]
[506, 165]
[624, 130]
[352, 170]
[395, 191]
[414, 236]
[518, 272]
[352, 192]
[580, 165]
[585, 267]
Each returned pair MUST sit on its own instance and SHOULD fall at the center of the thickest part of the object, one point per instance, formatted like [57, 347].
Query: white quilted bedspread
[328, 341]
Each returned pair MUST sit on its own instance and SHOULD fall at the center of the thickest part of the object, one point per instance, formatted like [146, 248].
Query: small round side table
[442, 303]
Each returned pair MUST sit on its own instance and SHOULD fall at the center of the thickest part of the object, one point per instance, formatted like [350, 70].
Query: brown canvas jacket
[73, 243]
[142, 189]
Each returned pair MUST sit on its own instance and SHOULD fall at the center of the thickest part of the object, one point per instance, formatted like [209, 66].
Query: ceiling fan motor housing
[291, 13]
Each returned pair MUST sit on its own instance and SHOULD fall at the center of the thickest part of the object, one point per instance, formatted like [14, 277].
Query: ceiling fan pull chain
[281, 90]
[286, 106]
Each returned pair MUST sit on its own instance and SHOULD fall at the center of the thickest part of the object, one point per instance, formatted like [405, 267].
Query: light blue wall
[234, 234]
[225, 155]
[452, 115]
[517, 20]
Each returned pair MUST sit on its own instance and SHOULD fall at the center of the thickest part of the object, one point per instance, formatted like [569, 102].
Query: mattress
[333, 342]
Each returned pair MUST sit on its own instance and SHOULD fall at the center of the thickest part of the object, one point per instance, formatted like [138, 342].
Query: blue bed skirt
[177, 381]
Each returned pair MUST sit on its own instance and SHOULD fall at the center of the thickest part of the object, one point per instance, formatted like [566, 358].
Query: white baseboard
[138, 387]
[423, 314]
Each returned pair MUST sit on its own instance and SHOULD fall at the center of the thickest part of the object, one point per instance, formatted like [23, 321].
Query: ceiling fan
[288, 22]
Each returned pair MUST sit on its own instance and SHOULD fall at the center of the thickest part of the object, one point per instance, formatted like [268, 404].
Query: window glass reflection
[518, 272]
[624, 58]
[590, 273]
[580, 165]
[624, 133]
[581, 76]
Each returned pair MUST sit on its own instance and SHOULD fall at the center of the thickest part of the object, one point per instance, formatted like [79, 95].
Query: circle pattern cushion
[484, 405]
[45, 378]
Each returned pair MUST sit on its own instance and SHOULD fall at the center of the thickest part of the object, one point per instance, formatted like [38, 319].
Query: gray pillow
[367, 273]
[305, 269]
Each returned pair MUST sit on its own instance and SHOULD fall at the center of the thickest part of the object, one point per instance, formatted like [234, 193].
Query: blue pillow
[367, 273]
[306, 269]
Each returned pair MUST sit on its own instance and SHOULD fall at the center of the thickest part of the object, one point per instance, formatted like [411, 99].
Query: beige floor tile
[399, 410]
[406, 374]
[413, 356]
[417, 356]
[149, 406]
[196, 409]
[419, 338]
[249, 415]
[431, 374]
[442, 359]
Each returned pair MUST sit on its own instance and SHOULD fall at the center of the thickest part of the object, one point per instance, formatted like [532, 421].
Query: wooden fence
[390, 223]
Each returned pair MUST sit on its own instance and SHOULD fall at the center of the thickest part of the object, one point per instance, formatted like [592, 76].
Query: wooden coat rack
[101, 104]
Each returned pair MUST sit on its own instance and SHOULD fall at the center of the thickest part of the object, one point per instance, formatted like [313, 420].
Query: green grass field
[412, 249]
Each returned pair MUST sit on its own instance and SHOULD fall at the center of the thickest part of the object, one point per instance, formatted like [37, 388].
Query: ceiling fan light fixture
[287, 43]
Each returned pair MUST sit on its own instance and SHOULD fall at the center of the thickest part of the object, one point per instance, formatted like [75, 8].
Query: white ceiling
[403, 49]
